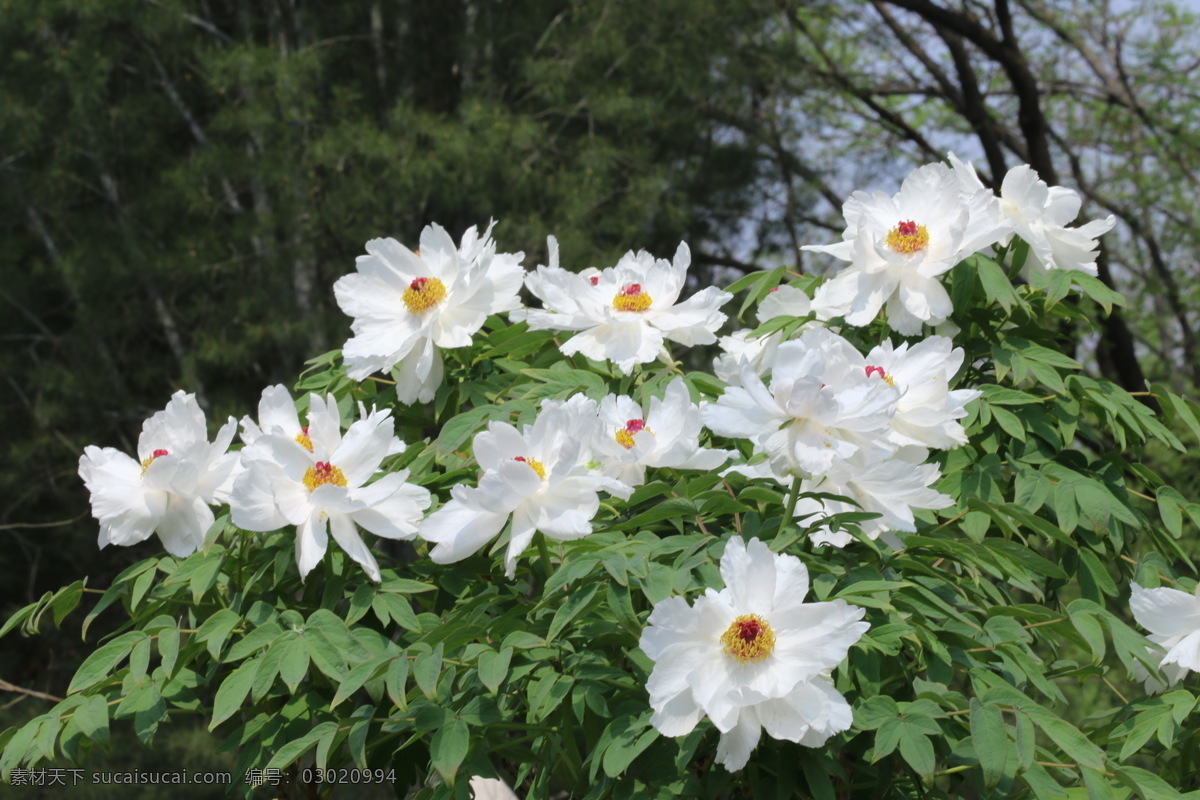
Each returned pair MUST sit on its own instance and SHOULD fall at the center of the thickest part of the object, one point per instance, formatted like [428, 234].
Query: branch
[8, 687]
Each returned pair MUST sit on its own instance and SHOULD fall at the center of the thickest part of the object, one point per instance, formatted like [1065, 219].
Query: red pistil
[594, 280]
[418, 284]
[635, 425]
[908, 228]
[632, 289]
[749, 630]
[160, 454]
[873, 370]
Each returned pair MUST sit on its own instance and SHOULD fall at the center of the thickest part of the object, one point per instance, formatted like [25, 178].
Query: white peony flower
[317, 481]
[899, 246]
[668, 435]
[539, 477]
[624, 313]
[892, 487]
[760, 351]
[168, 489]
[821, 406]
[1173, 619]
[928, 411]
[1039, 214]
[751, 656]
[408, 305]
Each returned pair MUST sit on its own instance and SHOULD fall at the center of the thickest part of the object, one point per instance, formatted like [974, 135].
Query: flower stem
[544, 556]
[793, 496]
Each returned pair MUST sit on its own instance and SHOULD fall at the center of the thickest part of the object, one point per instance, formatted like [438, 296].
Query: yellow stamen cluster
[322, 473]
[534, 465]
[303, 440]
[748, 639]
[423, 294]
[908, 238]
[624, 436]
[882, 373]
[632, 298]
[157, 454]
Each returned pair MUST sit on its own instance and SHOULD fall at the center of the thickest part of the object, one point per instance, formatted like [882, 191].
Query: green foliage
[982, 622]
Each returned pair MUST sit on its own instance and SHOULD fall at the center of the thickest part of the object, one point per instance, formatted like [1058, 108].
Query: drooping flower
[668, 435]
[538, 477]
[891, 488]
[407, 306]
[1173, 618]
[928, 410]
[317, 481]
[753, 655]
[168, 489]
[1039, 214]
[626, 312]
[899, 246]
[821, 406]
[760, 351]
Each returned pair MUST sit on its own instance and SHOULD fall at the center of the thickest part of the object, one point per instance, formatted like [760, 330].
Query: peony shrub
[881, 549]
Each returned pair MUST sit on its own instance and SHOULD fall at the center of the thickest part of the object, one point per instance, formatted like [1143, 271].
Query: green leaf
[100, 664]
[995, 283]
[168, 648]
[296, 748]
[1092, 632]
[216, 629]
[357, 677]
[990, 736]
[622, 752]
[917, 750]
[324, 656]
[92, 719]
[65, 600]
[576, 603]
[1169, 504]
[1098, 788]
[293, 659]
[493, 667]
[427, 668]
[448, 749]
[1067, 736]
[395, 680]
[1009, 422]
[232, 693]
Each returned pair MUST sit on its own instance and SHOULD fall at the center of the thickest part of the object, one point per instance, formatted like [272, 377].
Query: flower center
[322, 473]
[632, 298]
[156, 454]
[748, 639]
[908, 238]
[624, 436]
[303, 440]
[534, 465]
[881, 372]
[423, 294]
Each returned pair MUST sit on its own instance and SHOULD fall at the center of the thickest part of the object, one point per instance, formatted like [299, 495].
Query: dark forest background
[182, 182]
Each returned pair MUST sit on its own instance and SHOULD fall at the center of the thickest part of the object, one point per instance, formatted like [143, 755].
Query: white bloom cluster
[624, 313]
[538, 477]
[753, 655]
[407, 306]
[750, 656]
[1173, 618]
[899, 246]
[548, 477]
[169, 487]
[315, 478]
[850, 425]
